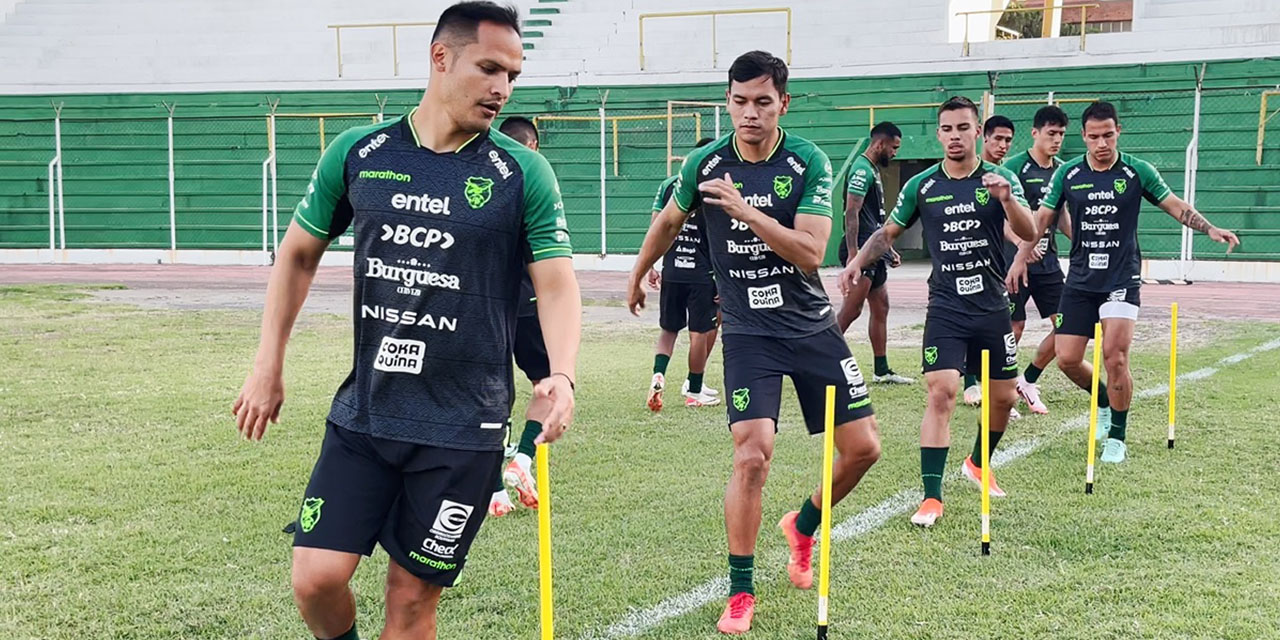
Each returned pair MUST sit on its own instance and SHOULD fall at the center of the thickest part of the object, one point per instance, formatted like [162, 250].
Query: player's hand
[635, 295]
[556, 388]
[721, 193]
[1222, 235]
[259, 403]
[654, 278]
[997, 186]
[895, 260]
[849, 277]
[1017, 277]
[1036, 254]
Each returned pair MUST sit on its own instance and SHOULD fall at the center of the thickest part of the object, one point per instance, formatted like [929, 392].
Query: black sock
[970, 380]
[1119, 423]
[695, 383]
[1103, 401]
[740, 570]
[1032, 373]
[660, 363]
[991, 448]
[933, 462]
[349, 635]
[882, 365]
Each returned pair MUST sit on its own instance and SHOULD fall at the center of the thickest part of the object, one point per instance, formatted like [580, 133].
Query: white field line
[640, 621]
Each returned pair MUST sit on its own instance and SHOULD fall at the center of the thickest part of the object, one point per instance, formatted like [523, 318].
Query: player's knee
[410, 599]
[751, 464]
[1117, 360]
[942, 395]
[1003, 399]
[1068, 360]
[315, 581]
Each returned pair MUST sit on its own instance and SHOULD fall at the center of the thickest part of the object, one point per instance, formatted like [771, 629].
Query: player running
[962, 204]
[765, 197]
[445, 213]
[1104, 190]
[1040, 280]
[688, 298]
[863, 214]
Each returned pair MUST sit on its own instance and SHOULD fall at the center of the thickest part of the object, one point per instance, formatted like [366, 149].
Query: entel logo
[927, 185]
[706, 171]
[965, 207]
[421, 204]
[1072, 173]
[499, 164]
[799, 168]
[373, 145]
[1102, 195]
[756, 200]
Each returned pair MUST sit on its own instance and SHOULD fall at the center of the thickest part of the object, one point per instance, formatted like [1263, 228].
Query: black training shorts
[955, 341]
[1044, 288]
[683, 303]
[1081, 310]
[531, 349]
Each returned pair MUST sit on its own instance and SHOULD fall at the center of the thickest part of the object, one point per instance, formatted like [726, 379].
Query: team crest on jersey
[982, 195]
[1121, 185]
[930, 355]
[478, 191]
[782, 186]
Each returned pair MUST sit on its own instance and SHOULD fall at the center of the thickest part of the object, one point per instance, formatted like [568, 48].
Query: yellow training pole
[986, 452]
[1093, 405]
[544, 542]
[824, 552]
[1173, 371]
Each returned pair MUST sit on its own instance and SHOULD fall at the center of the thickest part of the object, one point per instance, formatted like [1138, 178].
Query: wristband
[572, 387]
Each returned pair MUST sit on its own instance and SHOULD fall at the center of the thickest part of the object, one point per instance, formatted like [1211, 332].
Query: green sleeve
[1154, 188]
[1019, 193]
[664, 193]
[816, 199]
[327, 191]
[1052, 194]
[905, 213]
[861, 175]
[545, 228]
[686, 190]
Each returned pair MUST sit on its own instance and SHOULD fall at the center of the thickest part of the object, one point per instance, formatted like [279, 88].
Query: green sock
[991, 449]
[882, 365]
[695, 383]
[1103, 401]
[660, 363]
[809, 519]
[1032, 373]
[349, 635]
[933, 461]
[498, 486]
[1119, 423]
[970, 380]
[532, 429]
[740, 570]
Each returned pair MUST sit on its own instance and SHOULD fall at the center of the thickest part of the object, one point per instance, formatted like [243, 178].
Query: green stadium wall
[115, 149]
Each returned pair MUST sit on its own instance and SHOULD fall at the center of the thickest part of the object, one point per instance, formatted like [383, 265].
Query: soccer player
[688, 298]
[765, 196]
[445, 213]
[863, 214]
[962, 203]
[997, 138]
[1042, 278]
[531, 358]
[1104, 190]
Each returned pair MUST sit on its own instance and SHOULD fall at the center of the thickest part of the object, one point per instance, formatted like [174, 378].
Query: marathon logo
[373, 145]
[385, 175]
[941, 198]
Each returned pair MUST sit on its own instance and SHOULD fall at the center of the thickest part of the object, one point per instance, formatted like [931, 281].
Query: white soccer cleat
[655, 392]
[1104, 423]
[973, 396]
[702, 399]
[500, 504]
[1014, 415]
[892, 378]
[684, 389]
[1030, 394]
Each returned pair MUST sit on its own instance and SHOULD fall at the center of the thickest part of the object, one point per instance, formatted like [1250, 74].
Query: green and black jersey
[688, 260]
[1035, 179]
[441, 241]
[761, 293]
[964, 234]
[864, 181]
[1104, 219]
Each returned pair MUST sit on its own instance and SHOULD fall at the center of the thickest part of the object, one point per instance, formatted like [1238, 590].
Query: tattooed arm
[1187, 215]
[852, 205]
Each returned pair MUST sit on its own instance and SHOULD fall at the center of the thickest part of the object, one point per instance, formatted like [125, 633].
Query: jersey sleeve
[1154, 188]
[686, 192]
[1052, 194]
[860, 178]
[546, 231]
[906, 212]
[1015, 184]
[816, 199]
[324, 211]
[664, 193]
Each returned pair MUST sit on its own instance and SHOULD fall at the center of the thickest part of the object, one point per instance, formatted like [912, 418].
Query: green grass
[131, 510]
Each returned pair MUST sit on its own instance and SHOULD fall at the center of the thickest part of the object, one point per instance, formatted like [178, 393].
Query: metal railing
[612, 123]
[395, 39]
[1263, 118]
[715, 52]
[671, 117]
[1084, 10]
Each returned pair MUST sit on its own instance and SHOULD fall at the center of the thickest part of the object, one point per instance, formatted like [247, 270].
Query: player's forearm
[1041, 220]
[287, 290]
[874, 248]
[851, 226]
[1020, 220]
[560, 313]
[657, 241]
[799, 247]
[1193, 219]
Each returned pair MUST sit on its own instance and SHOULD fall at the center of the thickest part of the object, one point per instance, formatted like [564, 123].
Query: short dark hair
[956, 103]
[459, 22]
[520, 128]
[997, 122]
[704, 142]
[1051, 114]
[885, 130]
[754, 64]
[1099, 111]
